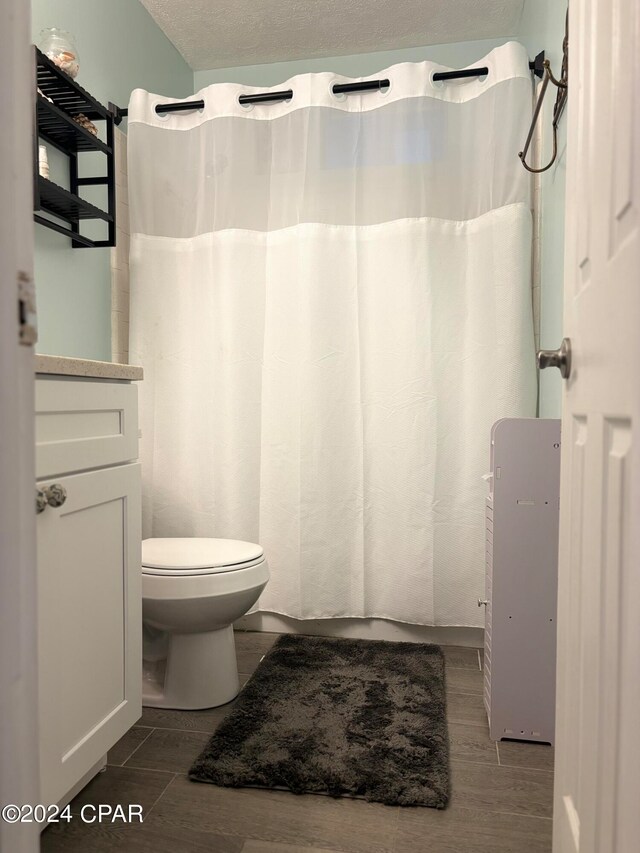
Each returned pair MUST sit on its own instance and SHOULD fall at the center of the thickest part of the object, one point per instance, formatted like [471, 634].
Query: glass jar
[60, 47]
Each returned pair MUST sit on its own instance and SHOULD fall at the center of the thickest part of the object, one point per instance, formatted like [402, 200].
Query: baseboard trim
[364, 629]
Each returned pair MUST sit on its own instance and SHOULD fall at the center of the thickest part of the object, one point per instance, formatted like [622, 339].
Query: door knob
[560, 358]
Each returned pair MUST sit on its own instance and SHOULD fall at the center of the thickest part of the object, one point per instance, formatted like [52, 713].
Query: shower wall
[543, 26]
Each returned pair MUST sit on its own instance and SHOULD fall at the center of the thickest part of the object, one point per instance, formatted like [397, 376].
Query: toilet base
[200, 671]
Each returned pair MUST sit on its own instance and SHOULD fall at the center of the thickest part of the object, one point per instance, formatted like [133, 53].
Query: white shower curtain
[331, 301]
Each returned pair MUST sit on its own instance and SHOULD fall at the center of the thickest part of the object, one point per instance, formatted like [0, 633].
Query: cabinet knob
[482, 601]
[55, 494]
[41, 501]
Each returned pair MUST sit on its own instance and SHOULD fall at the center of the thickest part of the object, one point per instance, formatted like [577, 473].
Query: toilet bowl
[192, 592]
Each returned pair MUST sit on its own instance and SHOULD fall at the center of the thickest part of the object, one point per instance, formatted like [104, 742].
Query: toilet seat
[177, 557]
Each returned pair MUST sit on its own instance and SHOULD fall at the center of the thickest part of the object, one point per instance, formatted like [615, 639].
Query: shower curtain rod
[535, 65]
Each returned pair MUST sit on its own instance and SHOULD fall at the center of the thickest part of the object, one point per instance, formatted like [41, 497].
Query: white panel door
[18, 677]
[89, 599]
[597, 782]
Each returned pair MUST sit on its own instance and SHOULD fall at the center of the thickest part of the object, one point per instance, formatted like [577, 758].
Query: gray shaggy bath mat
[359, 718]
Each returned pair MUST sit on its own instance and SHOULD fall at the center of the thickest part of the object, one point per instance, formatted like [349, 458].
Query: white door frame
[18, 617]
[597, 771]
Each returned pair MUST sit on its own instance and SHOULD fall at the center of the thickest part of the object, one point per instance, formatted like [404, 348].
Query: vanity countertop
[63, 366]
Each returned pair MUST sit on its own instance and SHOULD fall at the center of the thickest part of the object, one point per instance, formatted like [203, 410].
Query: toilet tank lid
[196, 553]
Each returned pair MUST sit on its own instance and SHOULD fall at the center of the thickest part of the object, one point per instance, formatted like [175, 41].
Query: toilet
[192, 591]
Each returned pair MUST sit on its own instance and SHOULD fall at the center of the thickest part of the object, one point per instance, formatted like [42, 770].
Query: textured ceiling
[216, 34]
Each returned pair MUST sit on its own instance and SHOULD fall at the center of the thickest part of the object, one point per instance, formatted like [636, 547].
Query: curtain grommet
[337, 96]
[156, 114]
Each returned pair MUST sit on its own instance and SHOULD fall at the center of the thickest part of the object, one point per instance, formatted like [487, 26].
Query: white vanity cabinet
[89, 581]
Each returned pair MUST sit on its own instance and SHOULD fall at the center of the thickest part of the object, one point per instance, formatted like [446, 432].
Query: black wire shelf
[58, 128]
[65, 205]
[64, 91]
[56, 104]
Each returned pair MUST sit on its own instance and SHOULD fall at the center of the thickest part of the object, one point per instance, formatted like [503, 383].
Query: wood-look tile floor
[501, 802]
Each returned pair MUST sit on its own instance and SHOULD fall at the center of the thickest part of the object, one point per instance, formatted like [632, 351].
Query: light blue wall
[358, 65]
[543, 24]
[120, 48]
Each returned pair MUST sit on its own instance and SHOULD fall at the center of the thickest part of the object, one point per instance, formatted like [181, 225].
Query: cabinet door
[90, 618]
